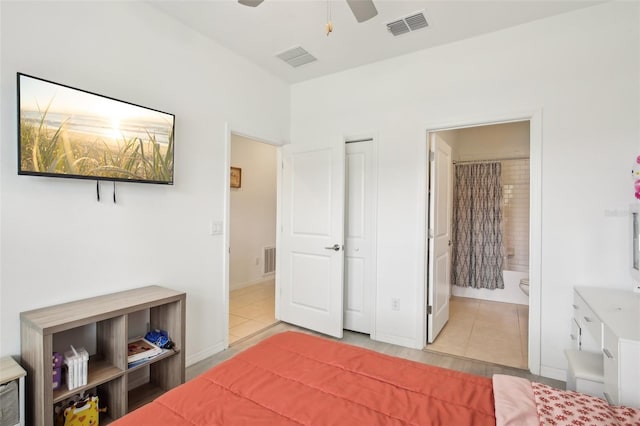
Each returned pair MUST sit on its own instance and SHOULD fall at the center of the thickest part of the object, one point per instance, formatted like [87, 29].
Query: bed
[299, 379]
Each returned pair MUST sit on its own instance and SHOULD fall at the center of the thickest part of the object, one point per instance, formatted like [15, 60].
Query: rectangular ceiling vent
[296, 56]
[407, 24]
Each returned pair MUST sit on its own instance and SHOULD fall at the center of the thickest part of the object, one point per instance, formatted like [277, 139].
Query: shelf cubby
[142, 394]
[99, 371]
[107, 318]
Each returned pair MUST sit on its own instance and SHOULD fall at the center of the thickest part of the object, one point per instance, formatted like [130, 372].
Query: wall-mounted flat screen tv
[67, 132]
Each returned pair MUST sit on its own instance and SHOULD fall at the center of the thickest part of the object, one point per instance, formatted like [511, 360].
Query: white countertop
[618, 309]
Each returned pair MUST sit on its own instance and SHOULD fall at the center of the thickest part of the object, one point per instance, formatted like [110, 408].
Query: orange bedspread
[295, 378]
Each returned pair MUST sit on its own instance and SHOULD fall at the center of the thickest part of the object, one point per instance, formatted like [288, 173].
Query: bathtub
[511, 292]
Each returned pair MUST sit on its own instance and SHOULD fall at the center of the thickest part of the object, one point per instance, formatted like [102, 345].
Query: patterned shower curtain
[477, 253]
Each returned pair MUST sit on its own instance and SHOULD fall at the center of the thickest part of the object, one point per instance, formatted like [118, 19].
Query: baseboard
[237, 286]
[553, 373]
[204, 354]
[396, 340]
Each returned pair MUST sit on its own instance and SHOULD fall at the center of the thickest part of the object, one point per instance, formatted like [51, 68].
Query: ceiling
[277, 25]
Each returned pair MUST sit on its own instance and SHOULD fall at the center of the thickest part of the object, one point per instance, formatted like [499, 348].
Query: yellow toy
[83, 413]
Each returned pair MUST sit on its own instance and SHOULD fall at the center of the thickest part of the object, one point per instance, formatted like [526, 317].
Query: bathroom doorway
[491, 324]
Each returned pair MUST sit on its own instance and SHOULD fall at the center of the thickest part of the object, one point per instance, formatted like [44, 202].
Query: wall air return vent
[269, 260]
[296, 56]
[409, 23]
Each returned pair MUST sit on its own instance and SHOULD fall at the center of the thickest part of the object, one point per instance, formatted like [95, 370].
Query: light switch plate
[215, 228]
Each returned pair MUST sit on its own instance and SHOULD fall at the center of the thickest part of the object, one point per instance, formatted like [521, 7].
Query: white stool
[586, 372]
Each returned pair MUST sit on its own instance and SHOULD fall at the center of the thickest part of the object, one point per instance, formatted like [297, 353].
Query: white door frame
[534, 116]
[226, 224]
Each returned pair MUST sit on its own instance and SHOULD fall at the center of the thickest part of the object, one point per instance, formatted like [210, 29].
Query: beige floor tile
[462, 315]
[236, 320]
[245, 299]
[254, 310]
[497, 348]
[506, 316]
[457, 331]
[453, 338]
[235, 304]
[266, 318]
[488, 331]
[448, 347]
[523, 310]
[247, 328]
[454, 343]
[494, 343]
[251, 309]
[508, 356]
[497, 326]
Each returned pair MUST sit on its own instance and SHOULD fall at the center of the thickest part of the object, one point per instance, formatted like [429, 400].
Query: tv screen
[68, 132]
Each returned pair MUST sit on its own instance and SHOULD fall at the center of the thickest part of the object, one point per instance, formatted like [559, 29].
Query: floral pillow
[558, 408]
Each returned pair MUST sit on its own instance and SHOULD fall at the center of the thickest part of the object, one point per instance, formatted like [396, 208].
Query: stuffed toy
[83, 413]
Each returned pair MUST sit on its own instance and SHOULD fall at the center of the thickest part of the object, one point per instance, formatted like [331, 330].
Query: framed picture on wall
[236, 177]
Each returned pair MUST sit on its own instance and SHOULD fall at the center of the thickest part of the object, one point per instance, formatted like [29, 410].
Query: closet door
[360, 235]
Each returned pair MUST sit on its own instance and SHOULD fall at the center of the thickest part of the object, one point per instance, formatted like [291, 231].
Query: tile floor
[251, 309]
[488, 331]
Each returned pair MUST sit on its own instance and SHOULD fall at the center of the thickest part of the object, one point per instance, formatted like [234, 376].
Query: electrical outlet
[257, 261]
[395, 304]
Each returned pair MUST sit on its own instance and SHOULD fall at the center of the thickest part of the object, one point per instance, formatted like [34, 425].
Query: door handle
[335, 247]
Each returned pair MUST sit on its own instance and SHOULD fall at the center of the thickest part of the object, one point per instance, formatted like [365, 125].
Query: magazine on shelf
[141, 349]
[145, 360]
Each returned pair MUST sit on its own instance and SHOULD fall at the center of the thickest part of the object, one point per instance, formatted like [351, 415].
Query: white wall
[252, 210]
[580, 69]
[58, 242]
[504, 140]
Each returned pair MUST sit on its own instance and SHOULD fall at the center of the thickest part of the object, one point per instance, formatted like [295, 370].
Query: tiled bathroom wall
[515, 184]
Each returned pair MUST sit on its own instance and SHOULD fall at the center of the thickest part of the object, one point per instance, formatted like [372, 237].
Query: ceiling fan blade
[251, 3]
[363, 10]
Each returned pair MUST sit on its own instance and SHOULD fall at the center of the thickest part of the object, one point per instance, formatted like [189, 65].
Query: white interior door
[440, 198]
[310, 266]
[360, 204]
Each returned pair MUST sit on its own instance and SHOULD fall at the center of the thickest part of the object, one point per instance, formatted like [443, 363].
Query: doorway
[490, 324]
[252, 236]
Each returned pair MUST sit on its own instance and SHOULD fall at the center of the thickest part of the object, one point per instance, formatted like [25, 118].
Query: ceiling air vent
[296, 56]
[409, 23]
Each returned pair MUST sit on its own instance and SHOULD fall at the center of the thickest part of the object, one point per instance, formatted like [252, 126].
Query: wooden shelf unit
[108, 367]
